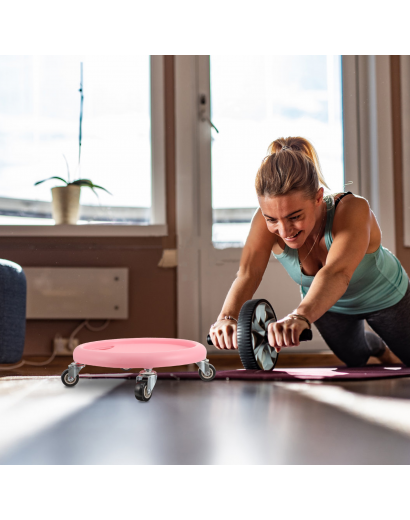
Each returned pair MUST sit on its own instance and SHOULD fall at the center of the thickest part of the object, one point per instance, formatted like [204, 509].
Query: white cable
[89, 327]
[72, 335]
[97, 329]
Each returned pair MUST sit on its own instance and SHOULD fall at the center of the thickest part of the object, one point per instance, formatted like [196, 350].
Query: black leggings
[346, 337]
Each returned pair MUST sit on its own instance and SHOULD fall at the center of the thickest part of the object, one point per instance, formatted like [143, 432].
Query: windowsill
[36, 227]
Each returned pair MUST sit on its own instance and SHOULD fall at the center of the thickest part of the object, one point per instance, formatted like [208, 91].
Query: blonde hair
[297, 167]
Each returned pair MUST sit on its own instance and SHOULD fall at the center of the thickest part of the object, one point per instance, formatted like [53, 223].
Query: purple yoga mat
[282, 374]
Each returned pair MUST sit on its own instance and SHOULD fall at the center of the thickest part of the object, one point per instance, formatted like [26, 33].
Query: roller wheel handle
[305, 336]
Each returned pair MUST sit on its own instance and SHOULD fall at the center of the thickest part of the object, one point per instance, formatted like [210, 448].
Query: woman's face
[290, 215]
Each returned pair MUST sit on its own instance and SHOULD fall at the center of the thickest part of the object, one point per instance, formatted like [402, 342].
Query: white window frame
[158, 226]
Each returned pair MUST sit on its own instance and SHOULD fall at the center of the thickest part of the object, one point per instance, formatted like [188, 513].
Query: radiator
[77, 293]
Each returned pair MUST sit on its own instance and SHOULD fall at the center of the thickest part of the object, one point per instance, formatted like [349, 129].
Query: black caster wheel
[210, 377]
[141, 391]
[254, 349]
[66, 381]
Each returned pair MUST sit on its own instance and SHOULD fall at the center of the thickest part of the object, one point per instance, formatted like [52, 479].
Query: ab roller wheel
[252, 334]
[254, 349]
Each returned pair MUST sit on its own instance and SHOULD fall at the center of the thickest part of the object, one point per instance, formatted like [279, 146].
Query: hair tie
[285, 148]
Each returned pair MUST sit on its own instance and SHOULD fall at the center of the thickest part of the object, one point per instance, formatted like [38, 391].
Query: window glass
[40, 122]
[255, 100]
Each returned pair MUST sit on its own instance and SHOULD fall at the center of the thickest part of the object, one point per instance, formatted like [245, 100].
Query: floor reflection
[222, 422]
[398, 388]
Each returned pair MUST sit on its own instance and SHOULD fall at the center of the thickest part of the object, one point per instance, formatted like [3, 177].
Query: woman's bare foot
[388, 358]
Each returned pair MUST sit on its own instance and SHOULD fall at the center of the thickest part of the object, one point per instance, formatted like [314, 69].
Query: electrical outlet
[62, 348]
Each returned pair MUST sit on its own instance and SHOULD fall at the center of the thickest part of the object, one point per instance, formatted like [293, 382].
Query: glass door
[255, 100]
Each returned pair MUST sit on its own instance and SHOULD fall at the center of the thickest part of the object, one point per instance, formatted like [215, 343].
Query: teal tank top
[378, 282]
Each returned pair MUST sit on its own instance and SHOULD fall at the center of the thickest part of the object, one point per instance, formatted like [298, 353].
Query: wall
[152, 290]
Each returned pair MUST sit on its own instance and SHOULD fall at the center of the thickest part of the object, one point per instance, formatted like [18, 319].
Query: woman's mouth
[294, 237]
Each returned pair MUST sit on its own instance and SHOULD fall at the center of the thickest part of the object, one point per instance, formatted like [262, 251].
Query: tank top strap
[341, 197]
[330, 216]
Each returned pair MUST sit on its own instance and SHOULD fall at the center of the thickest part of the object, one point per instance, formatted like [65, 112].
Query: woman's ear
[319, 195]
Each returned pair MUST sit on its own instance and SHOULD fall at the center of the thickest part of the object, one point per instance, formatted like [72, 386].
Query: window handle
[202, 111]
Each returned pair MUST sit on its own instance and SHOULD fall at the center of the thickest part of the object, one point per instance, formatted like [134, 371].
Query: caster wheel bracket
[150, 376]
[73, 370]
[204, 367]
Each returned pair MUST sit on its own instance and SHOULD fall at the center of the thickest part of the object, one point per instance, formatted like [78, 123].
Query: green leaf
[101, 188]
[68, 169]
[59, 178]
[89, 184]
[83, 182]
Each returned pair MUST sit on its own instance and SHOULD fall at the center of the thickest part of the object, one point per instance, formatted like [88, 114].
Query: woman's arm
[327, 288]
[253, 263]
[351, 240]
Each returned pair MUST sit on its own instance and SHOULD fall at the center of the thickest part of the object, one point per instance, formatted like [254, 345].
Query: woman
[346, 276]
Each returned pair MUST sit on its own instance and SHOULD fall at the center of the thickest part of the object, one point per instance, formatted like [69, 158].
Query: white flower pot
[66, 204]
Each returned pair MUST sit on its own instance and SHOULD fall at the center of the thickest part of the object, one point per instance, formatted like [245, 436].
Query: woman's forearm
[242, 289]
[326, 289]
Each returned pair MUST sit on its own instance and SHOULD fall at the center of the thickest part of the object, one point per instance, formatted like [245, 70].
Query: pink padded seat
[139, 353]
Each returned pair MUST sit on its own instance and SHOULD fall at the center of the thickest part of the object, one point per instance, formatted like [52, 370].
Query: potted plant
[66, 199]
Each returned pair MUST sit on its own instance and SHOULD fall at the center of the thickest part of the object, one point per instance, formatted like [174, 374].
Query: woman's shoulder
[349, 207]
[351, 211]
[345, 199]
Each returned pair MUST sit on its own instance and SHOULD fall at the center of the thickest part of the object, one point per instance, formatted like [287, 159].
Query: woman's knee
[375, 343]
[345, 337]
[353, 361]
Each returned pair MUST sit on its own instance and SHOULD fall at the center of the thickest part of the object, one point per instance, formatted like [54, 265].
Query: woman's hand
[285, 332]
[223, 334]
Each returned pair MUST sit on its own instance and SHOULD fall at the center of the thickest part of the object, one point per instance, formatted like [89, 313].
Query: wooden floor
[99, 421]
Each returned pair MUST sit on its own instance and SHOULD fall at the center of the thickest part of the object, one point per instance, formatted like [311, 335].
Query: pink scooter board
[139, 353]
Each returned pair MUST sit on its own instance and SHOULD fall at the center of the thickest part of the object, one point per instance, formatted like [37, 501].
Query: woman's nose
[284, 231]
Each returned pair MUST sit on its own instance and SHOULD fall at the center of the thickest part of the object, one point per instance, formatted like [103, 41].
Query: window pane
[39, 122]
[255, 100]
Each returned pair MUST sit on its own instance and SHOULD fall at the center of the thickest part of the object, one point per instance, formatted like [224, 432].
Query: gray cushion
[13, 291]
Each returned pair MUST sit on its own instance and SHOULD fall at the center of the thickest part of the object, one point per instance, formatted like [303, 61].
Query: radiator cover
[77, 293]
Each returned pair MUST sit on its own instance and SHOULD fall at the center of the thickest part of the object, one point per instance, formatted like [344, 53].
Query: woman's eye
[290, 218]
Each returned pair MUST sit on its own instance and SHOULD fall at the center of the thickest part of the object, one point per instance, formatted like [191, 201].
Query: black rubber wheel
[141, 391]
[64, 379]
[254, 349]
[211, 375]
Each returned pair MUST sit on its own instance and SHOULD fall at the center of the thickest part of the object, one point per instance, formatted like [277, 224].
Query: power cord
[72, 335]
